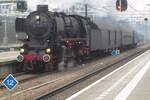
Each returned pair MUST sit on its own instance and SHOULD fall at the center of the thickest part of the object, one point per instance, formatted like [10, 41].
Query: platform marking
[123, 95]
[95, 83]
[105, 93]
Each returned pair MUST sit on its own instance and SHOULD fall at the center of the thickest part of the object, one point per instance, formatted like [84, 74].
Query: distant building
[7, 8]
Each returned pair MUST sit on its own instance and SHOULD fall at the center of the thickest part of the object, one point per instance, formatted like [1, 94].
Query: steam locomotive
[56, 38]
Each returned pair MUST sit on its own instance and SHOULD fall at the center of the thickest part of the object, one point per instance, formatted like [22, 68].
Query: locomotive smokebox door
[42, 8]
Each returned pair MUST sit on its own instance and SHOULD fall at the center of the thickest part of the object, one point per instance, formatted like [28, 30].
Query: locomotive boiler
[56, 38]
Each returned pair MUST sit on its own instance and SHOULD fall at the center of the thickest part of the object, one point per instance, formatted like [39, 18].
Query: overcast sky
[107, 5]
[138, 4]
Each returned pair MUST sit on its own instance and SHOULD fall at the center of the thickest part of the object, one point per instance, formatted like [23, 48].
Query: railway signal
[146, 37]
[121, 5]
[21, 6]
[146, 19]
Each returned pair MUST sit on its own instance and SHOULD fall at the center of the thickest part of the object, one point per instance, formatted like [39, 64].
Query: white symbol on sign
[10, 82]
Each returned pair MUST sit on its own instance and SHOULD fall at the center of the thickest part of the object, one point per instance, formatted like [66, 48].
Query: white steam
[63, 4]
[32, 4]
[59, 4]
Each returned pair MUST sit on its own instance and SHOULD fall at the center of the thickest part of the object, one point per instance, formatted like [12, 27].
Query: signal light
[21, 6]
[146, 19]
[121, 5]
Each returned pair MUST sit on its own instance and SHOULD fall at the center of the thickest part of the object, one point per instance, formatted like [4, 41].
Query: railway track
[81, 79]
[67, 84]
[15, 75]
[24, 77]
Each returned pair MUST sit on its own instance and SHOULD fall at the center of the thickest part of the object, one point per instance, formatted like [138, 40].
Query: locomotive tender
[54, 38]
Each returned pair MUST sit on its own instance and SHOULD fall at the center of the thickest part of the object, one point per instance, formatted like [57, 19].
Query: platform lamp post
[17, 38]
[86, 8]
[145, 35]
[5, 39]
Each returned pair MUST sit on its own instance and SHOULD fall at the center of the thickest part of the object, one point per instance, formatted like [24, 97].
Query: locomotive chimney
[42, 8]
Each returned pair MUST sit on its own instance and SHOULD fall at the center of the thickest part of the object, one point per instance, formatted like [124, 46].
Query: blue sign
[114, 53]
[10, 82]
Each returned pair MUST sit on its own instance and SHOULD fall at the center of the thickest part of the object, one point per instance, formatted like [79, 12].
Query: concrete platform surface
[8, 56]
[128, 82]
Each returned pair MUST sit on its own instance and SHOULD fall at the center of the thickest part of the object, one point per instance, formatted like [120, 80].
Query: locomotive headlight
[37, 17]
[22, 50]
[48, 50]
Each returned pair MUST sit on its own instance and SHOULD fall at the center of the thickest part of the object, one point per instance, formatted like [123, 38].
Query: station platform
[8, 56]
[7, 63]
[128, 82]
[2, 46]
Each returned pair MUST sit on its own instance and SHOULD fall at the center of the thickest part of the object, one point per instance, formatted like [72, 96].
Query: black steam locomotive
[56, 38]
